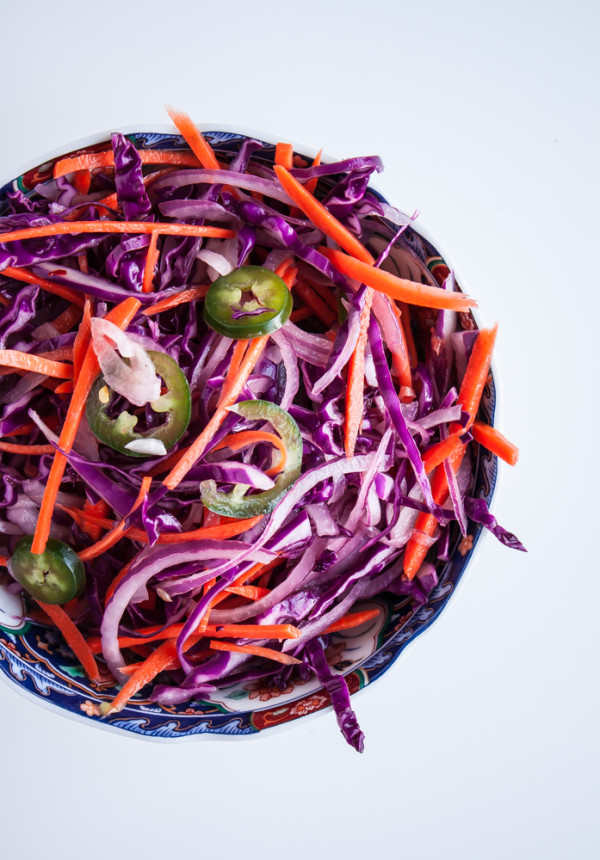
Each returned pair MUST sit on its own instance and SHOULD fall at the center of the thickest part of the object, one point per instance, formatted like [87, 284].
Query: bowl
[35, 661]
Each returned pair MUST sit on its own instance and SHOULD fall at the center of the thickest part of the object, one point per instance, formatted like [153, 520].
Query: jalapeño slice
[247, 303]
[120, 431]
[56, 575]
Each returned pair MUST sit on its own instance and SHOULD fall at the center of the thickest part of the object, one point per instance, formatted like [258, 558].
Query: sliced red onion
[323, 523]
[440, 416]
[100, 288]
[217, 264]
[135, 379]
[312, 348]
[294, 580]
[147, 564]
[223, 177]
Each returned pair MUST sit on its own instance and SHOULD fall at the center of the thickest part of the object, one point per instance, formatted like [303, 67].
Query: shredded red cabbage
[340, 532]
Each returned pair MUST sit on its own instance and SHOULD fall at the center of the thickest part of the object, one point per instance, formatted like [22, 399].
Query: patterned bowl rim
[208, 735]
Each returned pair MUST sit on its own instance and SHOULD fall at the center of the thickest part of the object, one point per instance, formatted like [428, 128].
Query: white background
[482, 740]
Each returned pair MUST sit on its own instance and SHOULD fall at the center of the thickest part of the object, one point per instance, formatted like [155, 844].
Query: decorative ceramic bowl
[36, 661]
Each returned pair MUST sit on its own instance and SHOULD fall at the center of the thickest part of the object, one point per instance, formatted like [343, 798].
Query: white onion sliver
[138, 380]
[150, 446]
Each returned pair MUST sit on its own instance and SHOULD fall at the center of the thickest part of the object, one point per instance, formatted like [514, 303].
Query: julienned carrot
[157, 633]
[354, 619]
[476, 374]
[83, 337]
[65, 321]
[114, 536]
[300, 314]
[35, 364]
[408, 333]
[82, 181]
[239, 350]
[469, 397]
[220, 532]
[225, 530]
[314, 301]
[284, 155]
[495, 442]
[151, 261]
[252, 592]
[115, 581]
[150, 668]
[356, 380]
[179, 471]
[312, 183]
[256, 651]
[73, 638]
[439, 452]
[96, 509]
[174, 301]
[415, 551]
[328, 295]
[194, 139]
[27, 277]
[95, 160]
[237, 441]
[320, 216]
[33, 450]
[412, 292]
[401, 357]
[75, 227]
[121, 315]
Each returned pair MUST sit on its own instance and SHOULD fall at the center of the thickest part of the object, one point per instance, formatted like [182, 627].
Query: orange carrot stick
[469, 397]
[194, 139]
[33, 450]
[320, 216]
[314, 301]
[151, 261]
[83, 337]
[311, 184]
[256, 651]
[495, 442]
[239, 350]
[95, 160]
[35, 364]
[439, 452]
[401, 358]
[284, 155]
[150, 668]
[408, 334]
[174, 301]
[397, 288]
[114, 536]
[179, 471]
[120, 315]
[73, 638]
[65, 321]
[25, 276]
[142, 227]
[476, 374]
[351, 620]
[300, 314]
[237, 441]
[252, 592]
[97, 510]
[280, 632]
